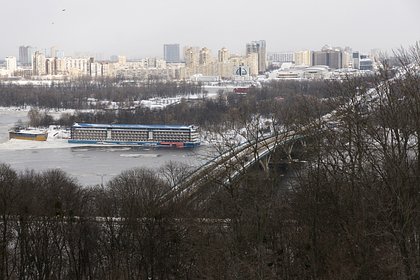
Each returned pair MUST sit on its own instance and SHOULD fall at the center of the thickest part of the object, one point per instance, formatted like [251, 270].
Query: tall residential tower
[171, 53]
[258, 47]
[25, 55]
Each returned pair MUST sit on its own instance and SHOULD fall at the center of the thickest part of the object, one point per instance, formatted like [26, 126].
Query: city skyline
[140, 29]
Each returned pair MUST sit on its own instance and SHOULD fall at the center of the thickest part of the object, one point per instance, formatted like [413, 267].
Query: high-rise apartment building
[252, 60]
[59, 53]
[205, 57]
[191, 56]
[122, 59]
[258, 47]
[51, 66]
[303, 58]
[11, 64]
[332, 58]
[25, 55]
[223, 55]
[366, 63]
[171, 53]
[356, 60]
[53, 51]
[39, 64]
[319, 58]
[281, 57]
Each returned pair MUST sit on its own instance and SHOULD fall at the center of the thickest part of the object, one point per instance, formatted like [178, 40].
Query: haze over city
[139, 29]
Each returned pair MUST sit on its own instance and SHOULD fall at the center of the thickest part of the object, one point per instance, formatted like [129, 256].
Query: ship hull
[136, 143]
[28, 136]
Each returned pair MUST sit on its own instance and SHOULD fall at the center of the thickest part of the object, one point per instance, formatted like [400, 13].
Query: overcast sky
[139, 28]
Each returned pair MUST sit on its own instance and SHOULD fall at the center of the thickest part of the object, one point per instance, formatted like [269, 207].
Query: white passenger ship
[179, 136]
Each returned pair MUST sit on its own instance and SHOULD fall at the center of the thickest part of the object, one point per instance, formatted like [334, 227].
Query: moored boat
[177, 136]
[29, 134]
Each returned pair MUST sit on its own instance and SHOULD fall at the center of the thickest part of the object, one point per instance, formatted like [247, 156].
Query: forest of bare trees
[74, 94]
[351, 211]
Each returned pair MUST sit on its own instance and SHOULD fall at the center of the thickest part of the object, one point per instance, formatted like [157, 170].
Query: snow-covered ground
[13, 108]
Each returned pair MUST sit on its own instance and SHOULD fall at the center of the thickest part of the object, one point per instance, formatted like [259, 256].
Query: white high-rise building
[51, 66]
[223, 55]
[191, 56]
[252, 62]
[205, 57]
[38, 64]
[122, 60]
[303, 58]
[258, 47]
[11, 64]
[53, 51]
[281, 57]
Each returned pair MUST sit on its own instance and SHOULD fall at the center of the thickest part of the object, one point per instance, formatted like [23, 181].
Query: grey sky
[140, 28]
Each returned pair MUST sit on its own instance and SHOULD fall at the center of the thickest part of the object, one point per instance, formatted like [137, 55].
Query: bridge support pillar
[264, 163]
[289, 152]
[289, 148]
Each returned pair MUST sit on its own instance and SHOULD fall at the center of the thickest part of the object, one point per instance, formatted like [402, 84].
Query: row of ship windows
[131, 139]
[133, 136]
[89, 138]
[133, 130]
[96, 132]
[154, 131]
[156, 138]
[89, 133]
[125, 134]
[129, 132]
[171, 135]
[144, 133]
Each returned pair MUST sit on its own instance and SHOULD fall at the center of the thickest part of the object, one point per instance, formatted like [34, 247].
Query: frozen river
[89, 165]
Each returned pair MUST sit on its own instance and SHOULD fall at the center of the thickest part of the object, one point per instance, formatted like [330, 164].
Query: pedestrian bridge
[231, 164]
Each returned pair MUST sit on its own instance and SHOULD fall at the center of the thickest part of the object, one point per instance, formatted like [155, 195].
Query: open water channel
[89, 165]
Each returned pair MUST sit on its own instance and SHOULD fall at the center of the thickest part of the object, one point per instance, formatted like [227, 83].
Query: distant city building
[376, 54]
[319, 58]
[25, 55]
[51, 66]
[258, 47]
[122, 60]
[252, 60]
[281, 57]
[303, 58]
[11, 64]
[223, 55]
[205, 57]
[356, 60]
[330, 57]
[347, 61]
[59, 53]
[151, 62]
[53, 52]
[95, 69]
[318, 72]
[39, 64]
[191, 56]
[366, 63]
[171, 53]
